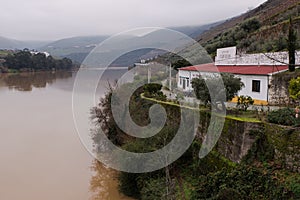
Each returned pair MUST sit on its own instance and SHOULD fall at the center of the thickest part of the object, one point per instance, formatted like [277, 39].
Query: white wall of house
[185, 79]
[249, 89]
[258, 92]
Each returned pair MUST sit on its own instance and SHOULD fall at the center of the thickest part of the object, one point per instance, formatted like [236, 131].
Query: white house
[255, 71]
[256, 79]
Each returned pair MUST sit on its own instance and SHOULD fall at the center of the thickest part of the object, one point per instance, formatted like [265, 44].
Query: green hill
[262, 29]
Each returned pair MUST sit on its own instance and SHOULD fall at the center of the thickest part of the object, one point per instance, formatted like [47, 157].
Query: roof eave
[278, 72]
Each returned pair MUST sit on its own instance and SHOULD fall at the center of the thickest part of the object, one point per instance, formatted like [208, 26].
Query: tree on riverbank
[23, 60]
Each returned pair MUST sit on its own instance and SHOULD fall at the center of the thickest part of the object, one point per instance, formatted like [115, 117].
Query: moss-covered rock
[286, 142]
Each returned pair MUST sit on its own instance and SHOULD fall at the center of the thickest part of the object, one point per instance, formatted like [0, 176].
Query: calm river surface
[41, 156]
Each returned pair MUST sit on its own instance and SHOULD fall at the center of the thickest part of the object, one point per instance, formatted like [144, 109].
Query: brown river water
[41, 156]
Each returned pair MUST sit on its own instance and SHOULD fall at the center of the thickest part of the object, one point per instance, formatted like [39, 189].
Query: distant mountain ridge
[77, 48]
[7, 43]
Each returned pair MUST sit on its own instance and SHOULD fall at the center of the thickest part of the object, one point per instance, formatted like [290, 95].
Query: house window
[255, 86]
[180, 81]
[187, 82]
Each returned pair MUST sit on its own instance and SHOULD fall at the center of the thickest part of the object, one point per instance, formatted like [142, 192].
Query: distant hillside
[76, 42]
[7, 43]
[195, 31]
[77, 48]
[262, 29]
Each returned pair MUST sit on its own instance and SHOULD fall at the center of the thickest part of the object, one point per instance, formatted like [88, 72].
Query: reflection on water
[26, 81]
[40, 151]
[104, 183]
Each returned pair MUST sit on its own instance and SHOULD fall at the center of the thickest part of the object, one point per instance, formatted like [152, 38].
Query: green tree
[232, 86]
[181, 63]
[292, 45]
[294, 88]
[50, 63]
[39, 61]
[9, 61]
[153, 90]
[25, 60]
[22, 60]
[66, 63]
[251, 25]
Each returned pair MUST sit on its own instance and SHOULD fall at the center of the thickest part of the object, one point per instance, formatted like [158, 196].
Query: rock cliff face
[236, 139]
[239, 137]
[286, 143]
[240, 140]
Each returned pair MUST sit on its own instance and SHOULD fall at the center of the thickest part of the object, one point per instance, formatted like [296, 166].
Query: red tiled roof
[238, 69]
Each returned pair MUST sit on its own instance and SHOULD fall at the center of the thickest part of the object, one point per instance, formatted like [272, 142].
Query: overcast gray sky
[56, 19]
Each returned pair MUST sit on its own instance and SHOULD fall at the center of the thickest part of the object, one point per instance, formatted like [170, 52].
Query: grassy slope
[268, 13]
[271, 36]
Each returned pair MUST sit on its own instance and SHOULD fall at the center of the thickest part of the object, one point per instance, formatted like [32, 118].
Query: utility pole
[149, 74]
[170, 77]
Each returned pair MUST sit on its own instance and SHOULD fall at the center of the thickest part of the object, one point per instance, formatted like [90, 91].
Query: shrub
[295, 188]
[251, 25]
[244, 102]
[128, 184]
[152, 90]
[294, 88]
[154, 189]
[229, 194]
[285, 116]
[243, 182]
